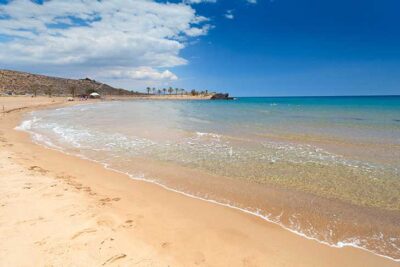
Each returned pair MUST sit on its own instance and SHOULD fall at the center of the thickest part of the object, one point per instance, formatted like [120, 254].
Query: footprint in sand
[85, 231]
[114, 258]
[199, 258]
[107, 200]
[104, 201]
[61, 177]
[106, 221]
[38, 169]
[87, 189]
[74, 184]
[165, 244]
[129, 224]
[27, 186]
[108, 243]
[41, 242]
[7, 145]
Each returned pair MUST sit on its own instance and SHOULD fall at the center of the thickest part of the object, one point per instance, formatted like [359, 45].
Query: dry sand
[59, 210]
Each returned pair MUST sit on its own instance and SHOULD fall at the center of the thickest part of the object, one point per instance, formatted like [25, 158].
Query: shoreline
[262, 243]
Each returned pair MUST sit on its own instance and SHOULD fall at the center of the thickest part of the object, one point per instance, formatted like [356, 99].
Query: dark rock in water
[221, 97]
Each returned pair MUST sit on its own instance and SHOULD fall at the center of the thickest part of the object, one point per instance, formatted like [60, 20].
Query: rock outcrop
[221, 97]
[21, 83]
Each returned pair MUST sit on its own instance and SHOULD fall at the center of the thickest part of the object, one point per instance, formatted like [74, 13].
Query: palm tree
[164, 90]
[154, 90]
[148, 90]
[159, 91]
[170, 90]
[182, 91]
[176, 91]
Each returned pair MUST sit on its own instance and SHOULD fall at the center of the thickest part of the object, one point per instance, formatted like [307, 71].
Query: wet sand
[57, 209]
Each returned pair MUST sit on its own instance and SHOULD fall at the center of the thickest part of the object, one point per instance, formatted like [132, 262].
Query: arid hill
[21, 83]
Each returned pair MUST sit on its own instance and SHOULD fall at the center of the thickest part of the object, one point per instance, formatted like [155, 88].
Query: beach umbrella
[94, 95]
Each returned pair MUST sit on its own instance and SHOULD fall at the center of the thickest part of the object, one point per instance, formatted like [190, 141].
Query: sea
[325, 168]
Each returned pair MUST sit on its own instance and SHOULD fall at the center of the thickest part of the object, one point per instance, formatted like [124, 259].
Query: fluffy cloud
[113, 36]
[141, 73]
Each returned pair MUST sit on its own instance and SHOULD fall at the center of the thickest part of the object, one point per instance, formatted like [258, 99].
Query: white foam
[27, 124]
[200, 134]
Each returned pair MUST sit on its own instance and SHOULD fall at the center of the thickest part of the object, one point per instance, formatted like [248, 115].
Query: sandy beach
[60, 210]
[161, 97]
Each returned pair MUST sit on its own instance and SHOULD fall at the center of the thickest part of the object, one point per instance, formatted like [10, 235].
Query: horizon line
[372, 95]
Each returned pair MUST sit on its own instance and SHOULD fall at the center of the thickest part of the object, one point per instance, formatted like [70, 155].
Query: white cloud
[199, 1]
[140, 73]
[99, 35]
[229, 14]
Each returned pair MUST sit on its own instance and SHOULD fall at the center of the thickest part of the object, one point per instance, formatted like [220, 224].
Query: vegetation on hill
[22, 83]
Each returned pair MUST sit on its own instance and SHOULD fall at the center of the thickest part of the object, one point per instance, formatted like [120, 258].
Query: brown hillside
[21, 83]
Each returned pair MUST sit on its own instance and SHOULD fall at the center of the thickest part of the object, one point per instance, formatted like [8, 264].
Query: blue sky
[291, 47]
[277, 48]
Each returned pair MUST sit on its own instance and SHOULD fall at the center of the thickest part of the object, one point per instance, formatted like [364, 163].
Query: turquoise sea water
[323, 167]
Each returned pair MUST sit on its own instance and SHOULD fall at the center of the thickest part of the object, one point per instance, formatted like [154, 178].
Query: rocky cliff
[20, 83]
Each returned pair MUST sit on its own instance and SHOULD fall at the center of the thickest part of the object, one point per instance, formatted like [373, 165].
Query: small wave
[199, 120]
[27, 124]
[214, 135]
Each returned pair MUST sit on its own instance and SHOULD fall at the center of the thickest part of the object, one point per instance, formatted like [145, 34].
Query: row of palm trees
[175, 91]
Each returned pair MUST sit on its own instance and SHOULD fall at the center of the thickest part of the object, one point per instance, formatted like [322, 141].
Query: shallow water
[324, 167]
